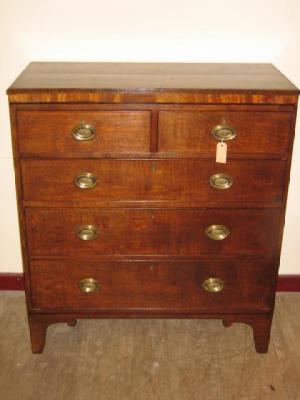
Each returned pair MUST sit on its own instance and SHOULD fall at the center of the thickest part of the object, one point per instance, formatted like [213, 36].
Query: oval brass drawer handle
[221, 181]
[213, 285]
[224, 132]
[217, 232]
[83, 132]
[89, 285]
[85, 180]
[87, 232]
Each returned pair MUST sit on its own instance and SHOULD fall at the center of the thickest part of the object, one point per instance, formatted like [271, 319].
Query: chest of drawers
[124, 211]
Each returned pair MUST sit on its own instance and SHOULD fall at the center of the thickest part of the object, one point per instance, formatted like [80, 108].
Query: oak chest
[124, 210]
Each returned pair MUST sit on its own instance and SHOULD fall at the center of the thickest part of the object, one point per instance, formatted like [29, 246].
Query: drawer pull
[85, 180]
[221, 181]
[89, 285]
[83, 132]
[217, 232]
[224, 132]
[213, 285]
[87, 232]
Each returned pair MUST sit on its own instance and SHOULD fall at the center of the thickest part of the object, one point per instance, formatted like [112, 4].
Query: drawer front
[153, 285]
[153, 180]
[151, 232]
[256, 132]
[50, 132]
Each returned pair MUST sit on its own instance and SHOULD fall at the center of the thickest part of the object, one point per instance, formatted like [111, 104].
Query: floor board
[149, 359]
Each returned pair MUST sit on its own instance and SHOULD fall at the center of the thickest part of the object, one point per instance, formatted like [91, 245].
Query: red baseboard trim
[286, 283]
[11, 281]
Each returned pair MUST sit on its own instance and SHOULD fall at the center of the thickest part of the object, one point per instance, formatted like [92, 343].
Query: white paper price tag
[221, 153]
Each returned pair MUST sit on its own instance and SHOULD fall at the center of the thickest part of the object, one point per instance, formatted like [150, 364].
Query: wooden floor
[149, 359]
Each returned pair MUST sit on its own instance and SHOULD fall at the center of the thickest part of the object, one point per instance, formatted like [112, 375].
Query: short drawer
[185, 286]
[258, 132]
[151, 231]
[178, 180]
[67, 133]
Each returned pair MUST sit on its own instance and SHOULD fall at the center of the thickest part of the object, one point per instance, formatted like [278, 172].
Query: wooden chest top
[152, 82]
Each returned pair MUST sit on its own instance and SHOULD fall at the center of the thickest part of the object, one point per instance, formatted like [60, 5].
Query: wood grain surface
[152, 157]
[153, 181]
[152, 232]
[257, 132]
[150, 76]
[153, 286]
[43, 132]
[152, 83]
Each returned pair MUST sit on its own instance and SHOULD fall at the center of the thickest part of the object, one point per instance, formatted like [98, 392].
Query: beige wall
[140, 30]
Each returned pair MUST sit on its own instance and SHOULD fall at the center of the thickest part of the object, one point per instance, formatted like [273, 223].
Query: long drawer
[256, 132]
[153, 180]
[153, 285]
[151, 231]
[87, 132]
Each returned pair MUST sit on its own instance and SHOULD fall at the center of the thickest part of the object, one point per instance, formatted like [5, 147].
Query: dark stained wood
[261, 326]
[38, 330]
[50, 131]
[20, 208]
[151, 232]
[150, 76]
[153, 156]
[286, 283]
[152, 180]
[260, 323]
[153, 107]
[257, 132]
[72, 322]
[154, 132]
[153, 285]
[141, 204]
[152, 83]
